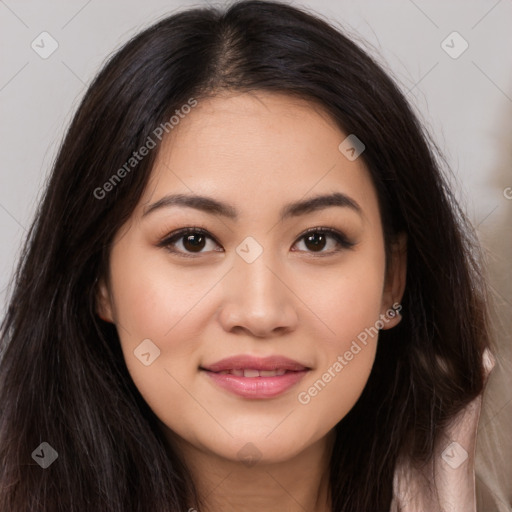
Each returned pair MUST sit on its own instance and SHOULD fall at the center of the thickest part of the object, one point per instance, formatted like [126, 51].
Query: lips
[247, 366]
[256, 378]
[252, 372]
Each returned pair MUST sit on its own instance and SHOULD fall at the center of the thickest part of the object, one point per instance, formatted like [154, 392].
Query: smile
[253, 373]
[256, 384]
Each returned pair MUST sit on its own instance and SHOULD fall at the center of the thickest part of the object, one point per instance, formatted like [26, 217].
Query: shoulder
[447, 481]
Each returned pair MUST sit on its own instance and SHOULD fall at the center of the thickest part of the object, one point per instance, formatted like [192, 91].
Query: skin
[258, 152]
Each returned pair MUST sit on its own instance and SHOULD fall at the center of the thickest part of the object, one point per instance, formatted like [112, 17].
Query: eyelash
[168, 241]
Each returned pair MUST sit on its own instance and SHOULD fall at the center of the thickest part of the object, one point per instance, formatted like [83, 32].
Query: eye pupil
[189, 239]
[317, 239]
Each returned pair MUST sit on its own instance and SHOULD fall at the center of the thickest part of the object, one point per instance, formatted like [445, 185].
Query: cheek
[347, 298]
[349, 303]
[334, 389]
[345, 361]
[154, 302]
[151, 296]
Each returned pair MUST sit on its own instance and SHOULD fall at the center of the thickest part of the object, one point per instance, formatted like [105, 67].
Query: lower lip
[257, 387]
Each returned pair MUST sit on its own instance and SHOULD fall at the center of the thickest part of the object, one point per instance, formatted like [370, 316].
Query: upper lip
[244, 362]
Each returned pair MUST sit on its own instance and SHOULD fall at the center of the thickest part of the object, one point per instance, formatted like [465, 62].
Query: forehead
[253, 148]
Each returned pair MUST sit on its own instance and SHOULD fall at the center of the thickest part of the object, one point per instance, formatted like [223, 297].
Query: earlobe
[392, 316]
[395, 282]
[103, 301]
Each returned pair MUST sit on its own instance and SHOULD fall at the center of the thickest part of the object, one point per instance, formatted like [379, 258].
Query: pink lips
[253, 377]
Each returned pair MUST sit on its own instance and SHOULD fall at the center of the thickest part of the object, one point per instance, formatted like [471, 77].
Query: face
[298, 310]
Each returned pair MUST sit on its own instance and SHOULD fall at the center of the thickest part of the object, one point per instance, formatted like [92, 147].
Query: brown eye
[317, 239]
[188, 241]
[194, 242]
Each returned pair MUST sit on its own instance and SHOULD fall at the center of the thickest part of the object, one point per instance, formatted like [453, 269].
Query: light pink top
[447, 482]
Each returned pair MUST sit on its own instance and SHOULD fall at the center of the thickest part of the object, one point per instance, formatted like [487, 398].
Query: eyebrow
[215, 207]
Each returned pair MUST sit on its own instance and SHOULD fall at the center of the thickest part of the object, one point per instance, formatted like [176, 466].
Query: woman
[247, 286]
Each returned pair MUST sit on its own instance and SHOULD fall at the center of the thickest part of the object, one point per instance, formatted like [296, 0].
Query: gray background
[465, 102]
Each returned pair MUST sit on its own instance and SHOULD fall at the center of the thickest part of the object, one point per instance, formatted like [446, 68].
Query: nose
[257, 300]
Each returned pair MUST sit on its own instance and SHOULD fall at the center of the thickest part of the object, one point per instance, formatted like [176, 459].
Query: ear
[104, 301]
[394, 285]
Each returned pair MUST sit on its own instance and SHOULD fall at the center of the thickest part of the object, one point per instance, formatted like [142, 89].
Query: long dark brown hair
[63, 379]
